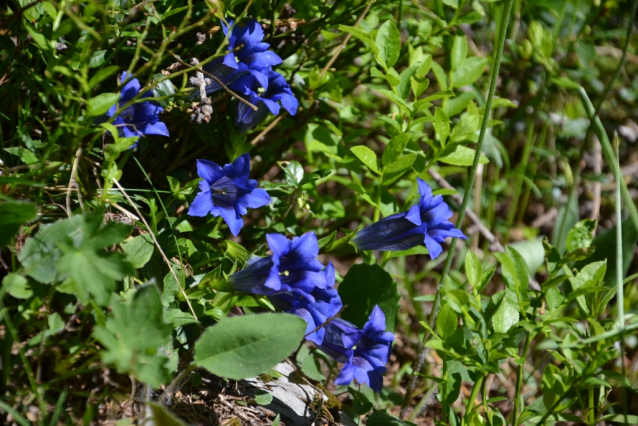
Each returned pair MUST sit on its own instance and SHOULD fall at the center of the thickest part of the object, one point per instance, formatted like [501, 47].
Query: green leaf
[97, 59]
[439, 95]
[452, 3]
[419, 85]
[456, 105]
[361, 35]
[505, 316]
[395, 170]
[101, 75]
[463, 156]
[310, 367]
[389, 41]
[473, 269]
[469, 71]
[25, 155]
[425, 67]
[249, 345]
[236, 252]
[263, 397]
[446, 321]
[459, 51]
[629, 420]
[441, 125]
[365, 286]
[156, 415]
[409, 252]
[294, 172]
[17, 286]
[12, 215]
[395, 148]
[101, 103]
[467, 126]
[581, 236]
[39, 39]
[139, 250]
[136, 339]
[367, 157]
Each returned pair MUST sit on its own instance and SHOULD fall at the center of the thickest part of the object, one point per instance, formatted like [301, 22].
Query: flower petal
[434, 248]
[234, 222]
[255, 199]
[201, 205]
[208, 170]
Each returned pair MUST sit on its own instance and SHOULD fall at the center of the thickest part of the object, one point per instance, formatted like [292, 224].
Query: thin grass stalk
[466, 199]
[620, 293]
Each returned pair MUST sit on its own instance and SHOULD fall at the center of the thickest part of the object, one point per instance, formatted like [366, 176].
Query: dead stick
[230, 92]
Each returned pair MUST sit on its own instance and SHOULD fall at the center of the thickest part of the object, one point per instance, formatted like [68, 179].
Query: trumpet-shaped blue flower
[265, 97]
[247, 55]
[293, 267]
[227, 192]
[339, 339]
[327, 304]
[425, 223]
[138, 119]
[370, 355]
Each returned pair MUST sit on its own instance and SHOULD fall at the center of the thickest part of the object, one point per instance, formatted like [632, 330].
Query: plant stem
[475, 391]
[620, 293]
[466, 199]
[519, 381]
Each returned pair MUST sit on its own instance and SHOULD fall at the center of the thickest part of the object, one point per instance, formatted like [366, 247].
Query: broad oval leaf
[505, 316]
[469, 71]
[367, 157]
[463, 156]
[245, 346]
[389, 42]
[100, 104]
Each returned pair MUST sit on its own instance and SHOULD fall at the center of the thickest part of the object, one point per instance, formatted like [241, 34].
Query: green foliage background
[102, 268]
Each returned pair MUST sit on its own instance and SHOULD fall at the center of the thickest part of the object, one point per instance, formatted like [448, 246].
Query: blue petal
[434, 248]
[414, 215]
[438, 214]
[424, 189]
[208, 170]
[230, 61]
[261, 78]
[345, 375]
[158, 128]
[234, 222]
[260, 60]
[279, 244]
[256, 199]
[272, 106]
[201, 205]
[240, 168]
[130, 90]
[305, 246]
[290, 103]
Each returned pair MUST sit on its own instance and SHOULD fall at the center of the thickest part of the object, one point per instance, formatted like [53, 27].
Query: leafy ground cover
[424, 209]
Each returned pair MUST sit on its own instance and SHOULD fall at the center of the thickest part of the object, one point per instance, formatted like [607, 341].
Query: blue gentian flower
[425, 223]
[139, 119]
[293, 267]
[247, 55]
[339, 339]
[326, 304]
[371, 353]
[265, 97]
[227, 192]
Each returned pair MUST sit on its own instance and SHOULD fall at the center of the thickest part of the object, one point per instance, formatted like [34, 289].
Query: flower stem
[466, 198]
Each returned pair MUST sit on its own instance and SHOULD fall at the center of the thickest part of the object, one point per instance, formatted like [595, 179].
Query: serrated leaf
[505, 316]
[395, 170]
[425, 67]
[389, 42]
[419, 85]
[139, 250]
[446, 321]
[469, 71]
[473, 269]
[367, 157]
[441, 125]
[467, 126]
[136, 338]
[249, 345]
[361, 35]
[581, 236]
[459, 51]
[463, 156]
[395, 148]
